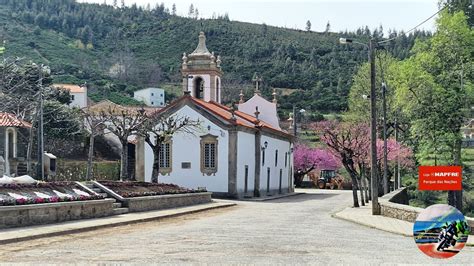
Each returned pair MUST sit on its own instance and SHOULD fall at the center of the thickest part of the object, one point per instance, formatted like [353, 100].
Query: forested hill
[117, 50]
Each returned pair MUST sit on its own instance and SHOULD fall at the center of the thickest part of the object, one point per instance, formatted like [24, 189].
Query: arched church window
[198, 88]
[11, 138]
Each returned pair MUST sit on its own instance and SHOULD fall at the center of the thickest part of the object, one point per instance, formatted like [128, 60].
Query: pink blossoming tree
[350, 143]
[307, 159]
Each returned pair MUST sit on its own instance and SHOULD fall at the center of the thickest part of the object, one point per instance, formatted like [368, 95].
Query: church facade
[234, 153]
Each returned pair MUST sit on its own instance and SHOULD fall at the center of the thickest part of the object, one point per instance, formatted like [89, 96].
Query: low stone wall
[395, 205]
[149, 203]
[35, 214]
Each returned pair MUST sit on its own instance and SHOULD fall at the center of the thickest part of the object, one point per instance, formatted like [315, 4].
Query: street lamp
[373, 123]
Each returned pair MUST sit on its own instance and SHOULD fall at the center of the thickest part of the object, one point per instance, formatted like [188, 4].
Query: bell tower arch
[202, 72]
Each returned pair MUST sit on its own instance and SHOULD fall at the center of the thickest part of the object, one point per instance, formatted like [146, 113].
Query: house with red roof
[13, 144]
[236, 152]
[78, 94]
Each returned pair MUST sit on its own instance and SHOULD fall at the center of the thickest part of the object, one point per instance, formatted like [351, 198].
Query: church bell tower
[202, 73]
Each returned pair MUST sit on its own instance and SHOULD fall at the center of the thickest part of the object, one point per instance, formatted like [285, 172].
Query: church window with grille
[209, 144]
[165, 158]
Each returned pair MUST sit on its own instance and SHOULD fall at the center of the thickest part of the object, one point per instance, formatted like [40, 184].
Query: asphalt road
[292, 230]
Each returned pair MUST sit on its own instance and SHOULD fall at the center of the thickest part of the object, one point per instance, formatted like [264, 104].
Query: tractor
[326, 178]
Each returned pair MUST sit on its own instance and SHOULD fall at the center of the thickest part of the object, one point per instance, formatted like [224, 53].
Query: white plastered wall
[186, 148]
[245, 156]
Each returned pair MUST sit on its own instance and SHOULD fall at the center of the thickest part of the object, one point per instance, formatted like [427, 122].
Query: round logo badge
[441, 231]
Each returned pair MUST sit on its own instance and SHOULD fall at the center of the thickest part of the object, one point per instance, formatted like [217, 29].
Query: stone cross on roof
[257, 80]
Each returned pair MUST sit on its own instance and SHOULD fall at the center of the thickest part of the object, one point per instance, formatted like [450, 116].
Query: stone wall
[395, 205]
[149, 203]
[35, 214]
[71, 170]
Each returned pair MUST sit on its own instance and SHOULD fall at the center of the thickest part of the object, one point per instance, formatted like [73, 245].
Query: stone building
[78, 94]
[13, 144]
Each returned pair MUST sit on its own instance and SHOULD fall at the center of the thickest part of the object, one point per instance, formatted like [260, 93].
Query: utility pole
[397, 166]
[373, 133]
[294, 121]
[385, 166]
[374, 182]
[40, 167]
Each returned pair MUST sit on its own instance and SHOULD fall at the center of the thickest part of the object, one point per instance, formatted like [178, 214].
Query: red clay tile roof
[70, 87]
[242, 119]
[10, 120]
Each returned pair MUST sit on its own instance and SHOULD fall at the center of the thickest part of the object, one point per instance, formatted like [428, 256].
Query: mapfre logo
[440, 178]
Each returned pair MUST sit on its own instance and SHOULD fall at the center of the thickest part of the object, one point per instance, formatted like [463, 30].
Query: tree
[436, 106]
[173, 10]
[21, 88]
[196, 14]
[158, 129]
[307, 159]
[94, 123]
[114, 3]
[264, 29]
[349, 142]
[60, 122]
[191, 11]
[123, 122]
[308, 25]
[461, 5]
[328, 28]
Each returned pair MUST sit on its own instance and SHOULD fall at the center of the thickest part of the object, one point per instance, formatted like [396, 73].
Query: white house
[151, 96]
[78, 94]
[235, 153]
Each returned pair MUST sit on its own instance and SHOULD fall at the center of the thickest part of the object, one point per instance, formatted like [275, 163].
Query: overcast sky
[342, 14]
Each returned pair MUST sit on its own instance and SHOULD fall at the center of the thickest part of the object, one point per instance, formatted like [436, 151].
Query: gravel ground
[292, 230]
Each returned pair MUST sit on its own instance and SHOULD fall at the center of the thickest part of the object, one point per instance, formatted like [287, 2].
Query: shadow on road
[302, 198]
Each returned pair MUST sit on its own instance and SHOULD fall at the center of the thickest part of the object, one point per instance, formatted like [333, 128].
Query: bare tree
[123, 122]
[95, 125]
[159, 129]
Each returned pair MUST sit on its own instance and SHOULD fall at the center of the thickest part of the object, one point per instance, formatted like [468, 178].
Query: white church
[236, 153]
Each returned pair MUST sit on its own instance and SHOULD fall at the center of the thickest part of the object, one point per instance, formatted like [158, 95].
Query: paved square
[293, 230]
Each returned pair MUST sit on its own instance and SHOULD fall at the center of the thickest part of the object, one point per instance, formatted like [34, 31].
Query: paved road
[293, 230]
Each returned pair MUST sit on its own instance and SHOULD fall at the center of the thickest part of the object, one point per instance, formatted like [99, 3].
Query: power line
[414, 28]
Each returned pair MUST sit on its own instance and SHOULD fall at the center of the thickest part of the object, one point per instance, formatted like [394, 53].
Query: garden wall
[149, 203]
[395, 205]
[71, 170]
[35, 214]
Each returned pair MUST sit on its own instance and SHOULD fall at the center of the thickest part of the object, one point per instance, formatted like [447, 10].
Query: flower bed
[43, 192]
[141, 189]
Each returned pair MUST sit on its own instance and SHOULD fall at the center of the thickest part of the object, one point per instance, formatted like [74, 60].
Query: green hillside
[117, 50]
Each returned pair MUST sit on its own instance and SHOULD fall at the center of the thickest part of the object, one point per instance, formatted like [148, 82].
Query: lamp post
[373, 123]
[385, 166]
[40, 168]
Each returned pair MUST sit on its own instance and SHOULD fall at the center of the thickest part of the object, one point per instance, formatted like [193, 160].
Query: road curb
[335, 215]
[114, 224]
